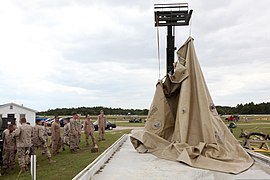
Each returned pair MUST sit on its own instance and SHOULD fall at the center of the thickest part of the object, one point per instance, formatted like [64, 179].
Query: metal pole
[33, 167]
[170, 51]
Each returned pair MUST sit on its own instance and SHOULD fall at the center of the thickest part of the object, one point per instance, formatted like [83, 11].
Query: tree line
[93, 111]
[248, 108]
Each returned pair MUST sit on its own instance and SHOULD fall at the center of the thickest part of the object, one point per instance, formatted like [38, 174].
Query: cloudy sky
[73, 53]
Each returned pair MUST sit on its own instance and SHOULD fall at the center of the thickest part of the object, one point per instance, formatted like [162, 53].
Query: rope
[19, 175]
[158, 46]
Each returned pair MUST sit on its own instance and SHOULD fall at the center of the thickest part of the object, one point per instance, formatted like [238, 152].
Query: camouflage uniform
[9, 150]
[101, 126]
[66, 131]
[56, 138]
[79, 132]
[89, 130]
[47, 133]
[38, 140]
[23, 141]
[73, 135]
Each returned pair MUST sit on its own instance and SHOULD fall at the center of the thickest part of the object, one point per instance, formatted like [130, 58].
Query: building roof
[20, 106]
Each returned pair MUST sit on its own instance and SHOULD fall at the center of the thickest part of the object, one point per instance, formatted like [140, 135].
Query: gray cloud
[85, 53]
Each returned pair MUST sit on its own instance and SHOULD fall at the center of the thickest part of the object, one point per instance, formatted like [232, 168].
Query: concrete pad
[128, 164]
[98, 163]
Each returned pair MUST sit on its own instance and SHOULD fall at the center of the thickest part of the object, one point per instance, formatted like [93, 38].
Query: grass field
[67, 165]
[128, 124]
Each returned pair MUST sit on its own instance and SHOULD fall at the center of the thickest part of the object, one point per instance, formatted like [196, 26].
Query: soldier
[79, 130]
[56, 138]
[66, 131]
[23, 142]
[47, 133]
[9, 150]
[101, 125]
[39, 141]
[73, 135]
[89, 130]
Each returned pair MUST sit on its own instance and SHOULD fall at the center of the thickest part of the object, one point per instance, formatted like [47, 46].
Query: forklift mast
[170, 15]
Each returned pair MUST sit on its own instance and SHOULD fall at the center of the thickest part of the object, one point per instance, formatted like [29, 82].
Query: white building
[18, 112]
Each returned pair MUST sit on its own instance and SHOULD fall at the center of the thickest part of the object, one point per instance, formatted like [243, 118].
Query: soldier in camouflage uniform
[38, 140]
[23, 142]
[47, 133]
[74, 133]
[79, 131]
[66, 131]
[56, 137]
[9, 149]
[89, 129]
[101, 125]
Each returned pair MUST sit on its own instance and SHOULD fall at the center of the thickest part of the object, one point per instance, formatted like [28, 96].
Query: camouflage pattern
[79, 132]
[44, 148]
[56, 138]
[38, 135]
[23, 156]
[39, 141]
[23, 134]
[47, 132]
[9, 149]
[23, 142]
[66, 131]
[73, 135]
[89, 131]
[101, 126]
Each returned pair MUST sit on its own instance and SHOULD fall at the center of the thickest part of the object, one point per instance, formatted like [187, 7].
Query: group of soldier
[25, 140]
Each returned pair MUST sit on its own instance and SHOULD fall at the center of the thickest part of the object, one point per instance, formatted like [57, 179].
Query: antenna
[170, 15]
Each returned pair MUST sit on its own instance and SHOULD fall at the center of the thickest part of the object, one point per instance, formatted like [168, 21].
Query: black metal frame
[176, 14]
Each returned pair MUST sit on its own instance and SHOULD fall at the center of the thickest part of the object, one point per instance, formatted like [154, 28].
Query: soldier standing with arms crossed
[23, 141]
[101, 125]
[56, 137]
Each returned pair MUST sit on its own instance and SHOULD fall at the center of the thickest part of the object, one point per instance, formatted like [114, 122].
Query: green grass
[263, 127]
[252, 126]
[67, 165]
[128, 124]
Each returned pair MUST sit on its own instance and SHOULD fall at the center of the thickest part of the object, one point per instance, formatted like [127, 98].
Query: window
[22, 116]
[11, 107]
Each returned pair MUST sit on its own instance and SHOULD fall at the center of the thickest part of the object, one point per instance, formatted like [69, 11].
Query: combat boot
[51, 161]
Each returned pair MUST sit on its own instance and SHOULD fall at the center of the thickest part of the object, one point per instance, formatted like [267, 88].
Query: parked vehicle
[135, 120]
[61, 120]
[50, 121]
[41, 118]
[109, 125]
[233, 118]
